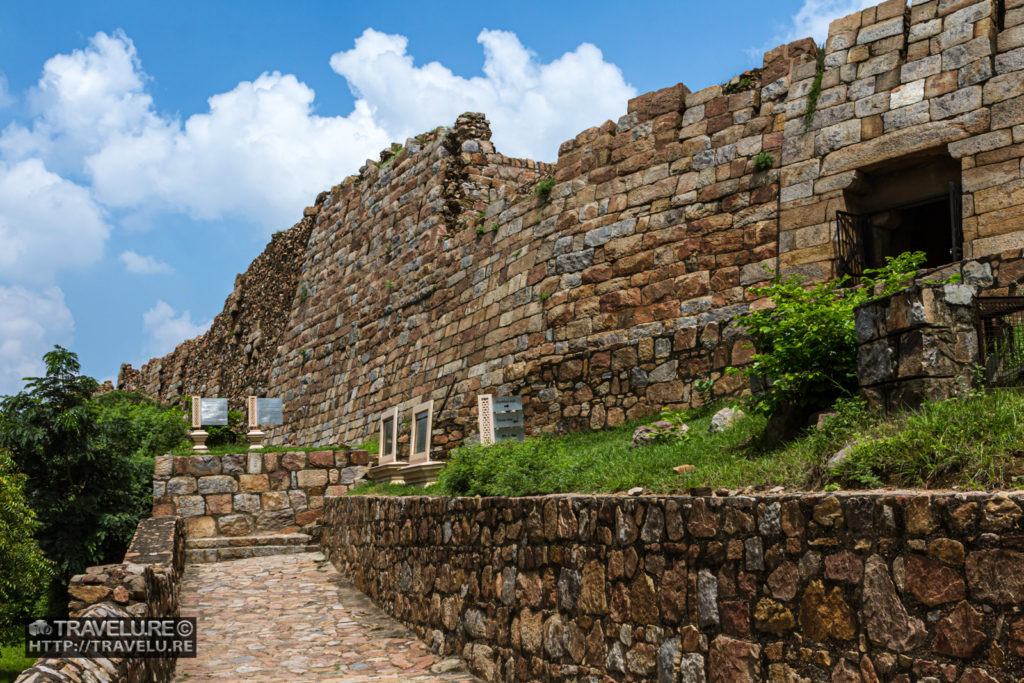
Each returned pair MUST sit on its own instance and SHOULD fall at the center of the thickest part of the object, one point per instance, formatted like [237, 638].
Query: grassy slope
[13, 661]
[977, 442]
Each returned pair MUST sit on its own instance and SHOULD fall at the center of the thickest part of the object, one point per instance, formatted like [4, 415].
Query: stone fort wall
[440, 272]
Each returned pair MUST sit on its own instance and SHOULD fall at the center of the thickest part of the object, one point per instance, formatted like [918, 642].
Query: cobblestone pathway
[293, 618]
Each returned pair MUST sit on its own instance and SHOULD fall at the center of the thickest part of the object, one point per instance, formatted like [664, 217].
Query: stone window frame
[417, 410]
[391, 414]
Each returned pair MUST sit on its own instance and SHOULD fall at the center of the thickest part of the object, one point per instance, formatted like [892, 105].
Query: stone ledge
[247, 541]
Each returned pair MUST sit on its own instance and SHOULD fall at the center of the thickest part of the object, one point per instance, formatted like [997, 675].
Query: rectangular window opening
[913, 204]
[419, 440]
[388, 436]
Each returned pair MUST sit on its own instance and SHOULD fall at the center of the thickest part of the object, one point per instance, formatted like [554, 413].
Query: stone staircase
[221, 548]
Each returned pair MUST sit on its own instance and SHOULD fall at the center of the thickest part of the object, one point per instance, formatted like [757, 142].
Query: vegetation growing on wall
[544, 188]
[806, 345]
[815, 92]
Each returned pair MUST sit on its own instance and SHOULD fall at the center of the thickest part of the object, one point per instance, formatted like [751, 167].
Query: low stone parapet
[146, 584]
[916, 345]
[253, 493]
[892, 586]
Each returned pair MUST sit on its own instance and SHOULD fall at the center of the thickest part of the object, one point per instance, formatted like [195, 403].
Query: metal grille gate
[853, 234]
[1001, 339]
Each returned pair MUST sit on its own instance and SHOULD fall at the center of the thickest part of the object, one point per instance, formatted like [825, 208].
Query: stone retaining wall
[252, 493]
[922, 343]
[819, 587]
[146, 584]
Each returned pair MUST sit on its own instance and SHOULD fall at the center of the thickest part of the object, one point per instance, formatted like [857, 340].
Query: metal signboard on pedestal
[269, 411]
[213, 411]
[500, 418]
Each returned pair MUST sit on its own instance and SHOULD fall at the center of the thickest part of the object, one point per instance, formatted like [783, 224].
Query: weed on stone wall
[544, 187]
[815, 92]
[763, 161]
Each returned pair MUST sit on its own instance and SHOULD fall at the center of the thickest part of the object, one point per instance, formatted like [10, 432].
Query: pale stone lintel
[909, 141]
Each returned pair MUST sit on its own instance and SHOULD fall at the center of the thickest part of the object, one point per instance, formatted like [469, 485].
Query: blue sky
[149, 150]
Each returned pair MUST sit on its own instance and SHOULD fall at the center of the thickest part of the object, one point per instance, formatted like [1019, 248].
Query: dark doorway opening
[912, 205]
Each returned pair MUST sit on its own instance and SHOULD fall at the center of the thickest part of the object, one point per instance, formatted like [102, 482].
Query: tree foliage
[23, 568]
[88, 461]
[806, 345]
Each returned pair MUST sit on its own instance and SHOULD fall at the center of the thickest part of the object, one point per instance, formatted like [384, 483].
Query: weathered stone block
[253, 483]
[190, 506]
[217, 484]
[233, 463]
[181, 486]
[246, 502]
[275, 500]
[203, 465]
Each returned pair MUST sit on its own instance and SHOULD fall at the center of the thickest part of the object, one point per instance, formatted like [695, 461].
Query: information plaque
[269, 411]
[213, 411]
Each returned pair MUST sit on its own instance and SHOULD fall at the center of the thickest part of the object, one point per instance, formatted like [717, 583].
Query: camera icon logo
[40, 627]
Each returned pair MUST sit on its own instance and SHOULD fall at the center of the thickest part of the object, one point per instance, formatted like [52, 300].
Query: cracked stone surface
[293, 617]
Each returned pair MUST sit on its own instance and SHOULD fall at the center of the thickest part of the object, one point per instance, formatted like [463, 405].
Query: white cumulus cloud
[260, 135]
[814, 16]
[165, 328]
[31, 322]
[47, 223]
[95, 122]
[141, 264]
[532, 106]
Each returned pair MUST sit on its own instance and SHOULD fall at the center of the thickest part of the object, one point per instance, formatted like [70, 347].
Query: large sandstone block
[218, 484]
[253, 483]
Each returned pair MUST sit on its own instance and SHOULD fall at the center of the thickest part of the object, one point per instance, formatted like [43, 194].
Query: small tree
[806, 345]
[24, 571]
[88, 480]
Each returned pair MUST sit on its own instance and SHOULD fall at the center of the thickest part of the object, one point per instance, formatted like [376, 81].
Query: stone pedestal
[422, 473]
[392, 472]
[199, 437]
[255, 438]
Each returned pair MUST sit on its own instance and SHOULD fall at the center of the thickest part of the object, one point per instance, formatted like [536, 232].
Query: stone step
[221, 548]
[246, 541]
[222, 554]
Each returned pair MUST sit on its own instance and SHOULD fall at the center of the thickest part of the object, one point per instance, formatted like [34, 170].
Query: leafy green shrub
[806, 346]
[88, 461]
[510, 468]
[544, 187]
[233, 433]
[24, 571]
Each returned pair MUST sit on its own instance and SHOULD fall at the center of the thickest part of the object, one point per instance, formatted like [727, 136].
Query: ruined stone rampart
[146, 584]
[446, 270]
[820, 587]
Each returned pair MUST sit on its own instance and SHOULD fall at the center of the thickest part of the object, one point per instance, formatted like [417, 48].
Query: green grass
[972, 443]
[13, 661]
